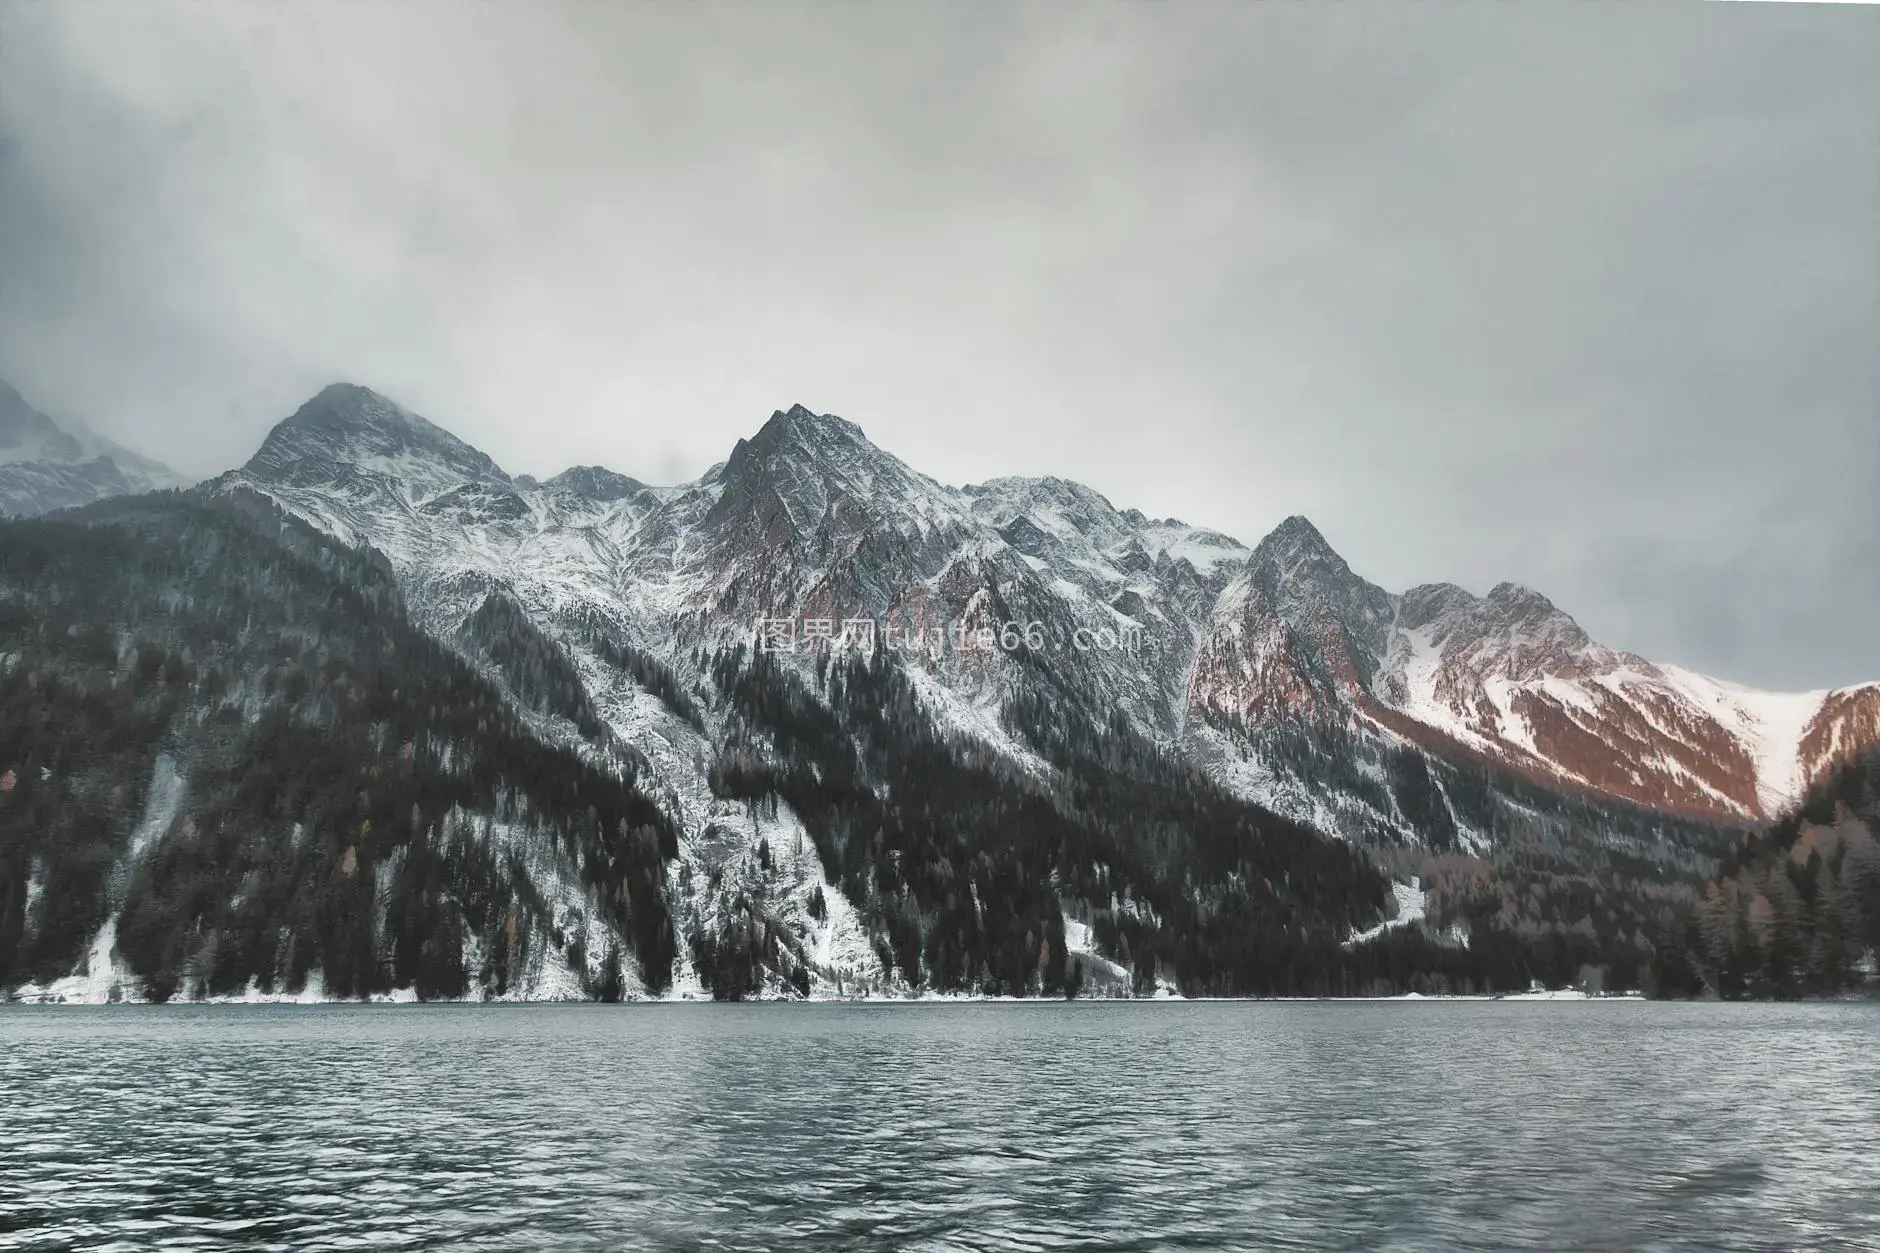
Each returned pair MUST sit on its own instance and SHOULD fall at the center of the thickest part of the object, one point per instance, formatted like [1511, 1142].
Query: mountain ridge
[811, 514]
[1075, 748]
[46, 465]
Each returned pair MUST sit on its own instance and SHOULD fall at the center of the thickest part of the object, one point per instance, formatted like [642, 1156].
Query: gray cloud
[1583, 297]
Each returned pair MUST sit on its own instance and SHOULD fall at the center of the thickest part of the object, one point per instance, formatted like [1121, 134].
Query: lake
[1604, 1125]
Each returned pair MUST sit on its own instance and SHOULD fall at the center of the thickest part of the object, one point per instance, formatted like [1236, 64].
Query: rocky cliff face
[1510, 679]
[808, 518]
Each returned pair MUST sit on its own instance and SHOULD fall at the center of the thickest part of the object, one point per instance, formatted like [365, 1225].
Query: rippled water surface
[1085, 1126]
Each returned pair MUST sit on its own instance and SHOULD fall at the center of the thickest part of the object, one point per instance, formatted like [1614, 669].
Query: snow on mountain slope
[1164, 572]
[805, 519]
[46, 466]
[1772, 726]
[1846, 723]
[1295, 632]
[808, 518]
[1510, 680]
[1511, 673]
[351, 428]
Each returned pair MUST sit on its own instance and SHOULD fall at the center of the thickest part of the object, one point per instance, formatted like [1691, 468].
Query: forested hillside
[229, 762]
[970, 865]
[1520, 882]
[231, 765]
[1794, 909]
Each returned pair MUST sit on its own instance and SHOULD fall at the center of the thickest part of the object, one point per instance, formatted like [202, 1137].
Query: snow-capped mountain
[46, 466]
[1513, 675]
[1295, 632]
[1509, 680]
[808, 518]
[1076, 746]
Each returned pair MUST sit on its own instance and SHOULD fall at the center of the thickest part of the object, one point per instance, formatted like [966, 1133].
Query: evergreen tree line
[960, 863]
[963, 865]
[341, 769]
[948, 857]
[649, 672]
[1794, 908]
[534, 667]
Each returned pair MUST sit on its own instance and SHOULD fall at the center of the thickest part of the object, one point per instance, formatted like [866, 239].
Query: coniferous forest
[355, 798]
[221, 734]
[1793, 909]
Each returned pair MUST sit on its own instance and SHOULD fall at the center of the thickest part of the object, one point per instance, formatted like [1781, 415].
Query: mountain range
[1077, 748]
[809, 519]
[45, 465]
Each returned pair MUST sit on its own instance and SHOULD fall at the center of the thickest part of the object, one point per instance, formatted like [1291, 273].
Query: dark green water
[1375, 1126]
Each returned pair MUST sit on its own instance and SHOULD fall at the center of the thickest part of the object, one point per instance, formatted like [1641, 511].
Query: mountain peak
[350, 393]
[1518, 598]
[345, 425]
[1296, 547]
[1509, 611]
[27, 433]
[798, 441]
[807, 484]
[47, 465]
[596, 483]
[800, 424]
[1296, 535]
[1525, 612]
[1081, 505]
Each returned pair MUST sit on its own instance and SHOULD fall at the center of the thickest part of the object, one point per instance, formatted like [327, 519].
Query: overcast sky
[1583, 297]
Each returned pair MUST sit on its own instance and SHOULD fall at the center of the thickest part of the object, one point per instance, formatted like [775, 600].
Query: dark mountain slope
[229, 761]
[969, 867]
[1794, 909]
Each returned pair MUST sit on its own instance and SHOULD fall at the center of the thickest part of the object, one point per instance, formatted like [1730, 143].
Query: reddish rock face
[1846, 722]
[1509, 679]
[1295, 633]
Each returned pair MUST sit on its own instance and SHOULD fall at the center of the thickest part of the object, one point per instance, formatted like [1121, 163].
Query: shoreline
[394, 999]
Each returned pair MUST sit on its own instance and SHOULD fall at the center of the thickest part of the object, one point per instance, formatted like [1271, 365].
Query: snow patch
[1411, 903]
[1770, 724]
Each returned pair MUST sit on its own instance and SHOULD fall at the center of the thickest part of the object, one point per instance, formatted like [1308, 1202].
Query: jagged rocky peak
[795, 440]
[1429, 602]
[800, 422]
[808, 512]
[1042, 516]
[349, 426]
[1296, 542]
[1059, 507]
[595, 483]
[1514, 628]
[1076, 501]
[809, 466]
[800, 436]
[1295, 629]
[1294, 566]
[1519, 603]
